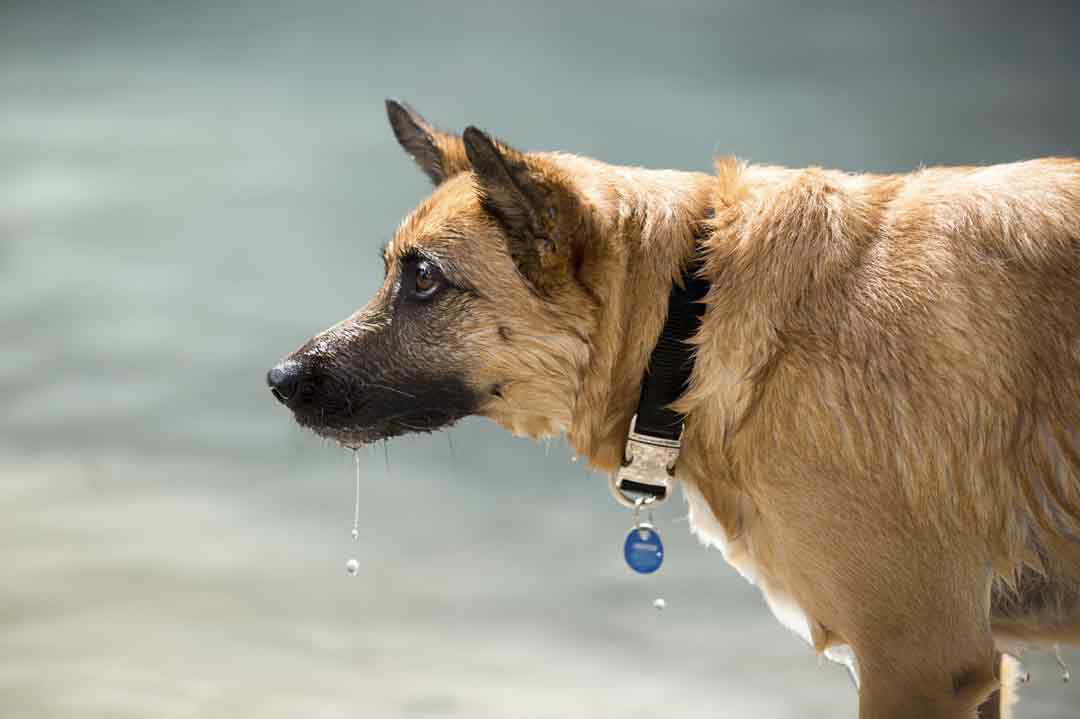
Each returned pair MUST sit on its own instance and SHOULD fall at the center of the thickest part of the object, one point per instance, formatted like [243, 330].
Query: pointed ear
[439, 154]
[519, 198]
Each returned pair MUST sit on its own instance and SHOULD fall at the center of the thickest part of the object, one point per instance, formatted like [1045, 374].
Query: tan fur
[883, 416]
[885, 406]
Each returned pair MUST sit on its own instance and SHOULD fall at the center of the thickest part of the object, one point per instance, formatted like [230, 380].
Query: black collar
[666, 377]
[672, 360]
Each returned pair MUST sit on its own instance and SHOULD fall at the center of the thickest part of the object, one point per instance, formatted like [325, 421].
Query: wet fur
[882, 424]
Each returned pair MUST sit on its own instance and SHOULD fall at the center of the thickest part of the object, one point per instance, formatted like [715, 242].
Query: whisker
[389, 389]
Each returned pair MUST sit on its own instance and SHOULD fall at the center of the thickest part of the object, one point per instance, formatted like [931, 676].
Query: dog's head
[484, 308]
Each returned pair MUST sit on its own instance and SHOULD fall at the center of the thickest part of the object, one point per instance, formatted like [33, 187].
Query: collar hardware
[647, 469]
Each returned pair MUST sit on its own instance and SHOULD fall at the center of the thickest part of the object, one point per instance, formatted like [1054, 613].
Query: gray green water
[188, 191]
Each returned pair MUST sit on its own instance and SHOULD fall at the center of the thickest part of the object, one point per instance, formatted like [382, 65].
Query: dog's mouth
[356, 412]
[356, 398]
[354, 435]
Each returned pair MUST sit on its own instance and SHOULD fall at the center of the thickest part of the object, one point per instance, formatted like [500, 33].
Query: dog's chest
[704, 525]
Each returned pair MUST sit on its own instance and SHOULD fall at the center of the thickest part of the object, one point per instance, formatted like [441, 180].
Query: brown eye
[426, 279]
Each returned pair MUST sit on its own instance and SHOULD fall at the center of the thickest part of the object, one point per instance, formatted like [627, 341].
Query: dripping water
[356, 502]
[352, 566]
[1065, 676]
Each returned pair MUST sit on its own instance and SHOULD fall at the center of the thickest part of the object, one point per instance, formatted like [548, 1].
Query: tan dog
[883, 422]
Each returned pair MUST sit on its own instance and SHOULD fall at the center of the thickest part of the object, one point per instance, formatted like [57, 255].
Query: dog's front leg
[896, 683]
[889, 693]
[918, 621]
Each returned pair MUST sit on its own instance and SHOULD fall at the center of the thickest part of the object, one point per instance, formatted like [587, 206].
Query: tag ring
[626, 500]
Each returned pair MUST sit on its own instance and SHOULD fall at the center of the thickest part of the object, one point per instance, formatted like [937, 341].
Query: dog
[882, 424]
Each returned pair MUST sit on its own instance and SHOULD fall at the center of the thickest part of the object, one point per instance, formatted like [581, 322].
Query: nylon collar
[655, 431]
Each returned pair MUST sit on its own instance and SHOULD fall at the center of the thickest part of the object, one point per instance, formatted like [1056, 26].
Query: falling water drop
[659, 603]
[1065, 676]
[352, 566]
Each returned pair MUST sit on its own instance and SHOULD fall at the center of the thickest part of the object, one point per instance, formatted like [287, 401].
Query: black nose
[284, 380]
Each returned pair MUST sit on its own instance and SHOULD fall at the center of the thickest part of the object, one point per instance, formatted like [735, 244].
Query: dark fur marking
[358, 411]
[963, 679]
[511, 195]
[415, 136]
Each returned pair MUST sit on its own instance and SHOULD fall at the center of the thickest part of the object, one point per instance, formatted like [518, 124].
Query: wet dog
[882, 427]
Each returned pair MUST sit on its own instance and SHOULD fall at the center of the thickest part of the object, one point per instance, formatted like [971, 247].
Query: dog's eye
[425, 280]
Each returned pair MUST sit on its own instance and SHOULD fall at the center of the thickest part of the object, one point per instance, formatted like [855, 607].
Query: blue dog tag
[643, 549]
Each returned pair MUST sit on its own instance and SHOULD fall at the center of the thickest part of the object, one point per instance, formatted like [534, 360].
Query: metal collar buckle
[647, 469]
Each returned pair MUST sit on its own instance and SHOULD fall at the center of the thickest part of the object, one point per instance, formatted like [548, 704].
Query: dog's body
[882, 428]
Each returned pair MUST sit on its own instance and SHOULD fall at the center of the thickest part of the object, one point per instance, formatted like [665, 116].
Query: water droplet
[352, 566]
[356, 505]
[659, 603]
[1065, 676]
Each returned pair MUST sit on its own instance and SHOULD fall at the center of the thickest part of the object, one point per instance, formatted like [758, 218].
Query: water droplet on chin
[352, 566]
[355, 533]
[659, 603]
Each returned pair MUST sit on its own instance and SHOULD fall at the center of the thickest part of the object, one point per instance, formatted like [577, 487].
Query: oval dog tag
[643, 549]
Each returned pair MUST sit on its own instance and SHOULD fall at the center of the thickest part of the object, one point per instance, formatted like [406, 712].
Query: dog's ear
[521, 199]
[439, 154]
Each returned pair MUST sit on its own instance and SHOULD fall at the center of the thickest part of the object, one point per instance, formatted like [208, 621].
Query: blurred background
[188, 191]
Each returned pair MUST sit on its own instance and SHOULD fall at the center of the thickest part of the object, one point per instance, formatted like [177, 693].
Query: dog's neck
[647, 222]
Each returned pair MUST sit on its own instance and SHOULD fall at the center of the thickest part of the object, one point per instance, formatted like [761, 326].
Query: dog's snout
[285, 381]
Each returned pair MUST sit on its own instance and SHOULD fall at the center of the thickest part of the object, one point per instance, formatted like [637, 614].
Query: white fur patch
[788, 612]
[842, 654]
[710, 532]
